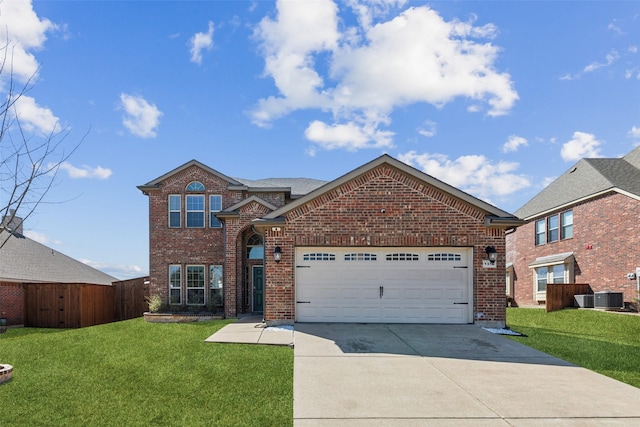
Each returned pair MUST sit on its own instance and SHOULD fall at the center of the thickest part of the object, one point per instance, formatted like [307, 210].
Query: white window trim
[568, 276]
[179, 287]
[170, 211]
[211, 210]
[187, 210]
[203, 287]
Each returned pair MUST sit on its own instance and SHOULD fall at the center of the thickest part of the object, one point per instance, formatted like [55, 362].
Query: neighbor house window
[566, 223]
[175, 284]
[215, 205]
[195, 211]
[195, 284]
[542, 275]
[552, 269]
[541, 232]
[215, 286]
[174, 211]
[554, 227]
[554, 232]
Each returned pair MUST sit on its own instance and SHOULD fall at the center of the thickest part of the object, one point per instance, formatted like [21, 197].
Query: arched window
[195, 186]
[255, 247]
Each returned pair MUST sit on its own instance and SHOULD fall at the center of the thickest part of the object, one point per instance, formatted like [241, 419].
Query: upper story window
[174, 211]
[194, 210]
[554, 227]
[566, 221]
[195, 186]
[553, 234]
[215, 205]
[541, 231]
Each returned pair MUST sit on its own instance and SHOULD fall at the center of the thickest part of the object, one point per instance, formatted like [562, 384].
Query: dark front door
[258, 289]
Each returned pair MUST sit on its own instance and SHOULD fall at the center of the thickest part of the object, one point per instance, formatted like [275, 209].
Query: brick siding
[605, 245]
[414, 215]
[12, 302]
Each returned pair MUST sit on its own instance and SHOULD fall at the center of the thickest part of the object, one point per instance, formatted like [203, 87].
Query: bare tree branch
[29, 162]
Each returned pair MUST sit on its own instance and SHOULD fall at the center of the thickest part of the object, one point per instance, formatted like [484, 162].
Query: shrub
[155, 303]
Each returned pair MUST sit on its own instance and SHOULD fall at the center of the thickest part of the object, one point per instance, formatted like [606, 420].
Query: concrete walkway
[251, 330]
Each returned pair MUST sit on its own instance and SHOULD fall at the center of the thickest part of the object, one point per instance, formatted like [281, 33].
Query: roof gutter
[503, 222]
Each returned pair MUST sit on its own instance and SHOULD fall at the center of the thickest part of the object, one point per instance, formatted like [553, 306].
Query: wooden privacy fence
[560, 295]
[130, 298]
[73, 305]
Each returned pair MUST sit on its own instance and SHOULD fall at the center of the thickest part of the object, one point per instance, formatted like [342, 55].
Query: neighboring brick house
[383, 243]
[582, 228]
[24, 261]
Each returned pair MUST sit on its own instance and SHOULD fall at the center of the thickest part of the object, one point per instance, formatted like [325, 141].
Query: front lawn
[134, 373]
[608, 343]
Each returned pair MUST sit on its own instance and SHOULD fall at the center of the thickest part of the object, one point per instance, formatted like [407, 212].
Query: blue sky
[496, 98]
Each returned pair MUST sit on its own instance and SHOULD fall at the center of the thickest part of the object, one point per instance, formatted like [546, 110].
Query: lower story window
[175, 284]
[195, 284]
[215, 286]
[192, 284]
[558, 273]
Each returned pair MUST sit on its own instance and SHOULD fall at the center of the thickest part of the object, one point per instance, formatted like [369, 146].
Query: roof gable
[385, 159]
[247, 201]
[586, 179]
[151, 185]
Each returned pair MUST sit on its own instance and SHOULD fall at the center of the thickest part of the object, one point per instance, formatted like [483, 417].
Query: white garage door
[384, 285]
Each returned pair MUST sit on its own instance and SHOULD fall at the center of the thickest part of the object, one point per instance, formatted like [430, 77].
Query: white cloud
[23, 31]
[85, 171]
[428, 129]
[610, 58]
[615, 28]
[200, 42]
[349, 136]
[514, 143]
[634, 132]
[33, 117]
[416, 57]
[142, 118]
[474, 174]
[582, 145]
[41, 238]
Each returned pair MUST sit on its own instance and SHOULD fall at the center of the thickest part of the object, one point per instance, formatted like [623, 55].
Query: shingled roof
[586, 179]
[299, 186]
[23, 260]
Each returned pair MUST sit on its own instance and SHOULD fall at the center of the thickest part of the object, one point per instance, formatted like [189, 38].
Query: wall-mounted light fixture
[491, 254]
[277, 253]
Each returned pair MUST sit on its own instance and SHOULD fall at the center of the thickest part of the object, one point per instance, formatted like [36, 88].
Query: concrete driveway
[444, 375]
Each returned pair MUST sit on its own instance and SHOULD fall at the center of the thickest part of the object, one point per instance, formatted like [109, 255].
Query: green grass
[608, 343]
[135, 373]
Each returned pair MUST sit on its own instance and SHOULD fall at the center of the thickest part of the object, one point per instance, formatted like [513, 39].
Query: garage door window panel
[360, 257]
[403, 257]
[444, 257]
[319, 257]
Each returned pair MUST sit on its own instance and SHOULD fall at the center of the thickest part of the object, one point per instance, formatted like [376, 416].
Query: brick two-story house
[582, 228]
[383, 243]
